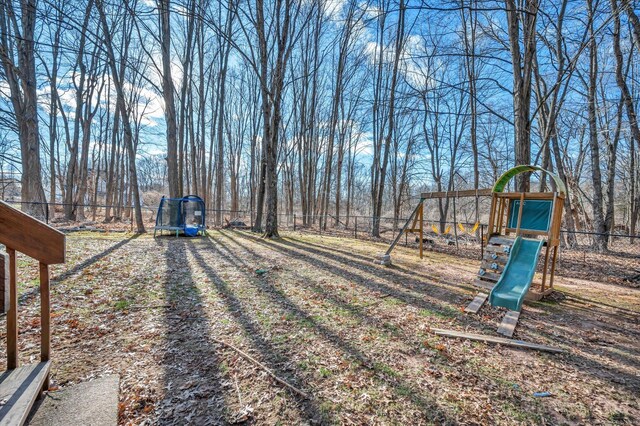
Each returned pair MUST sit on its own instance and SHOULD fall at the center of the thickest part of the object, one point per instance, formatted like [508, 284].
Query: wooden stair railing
[20, 386]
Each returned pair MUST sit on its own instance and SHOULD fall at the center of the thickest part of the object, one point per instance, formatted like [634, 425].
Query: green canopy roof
[502, 181]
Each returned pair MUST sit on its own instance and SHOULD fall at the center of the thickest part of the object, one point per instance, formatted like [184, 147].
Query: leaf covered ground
[354, 336]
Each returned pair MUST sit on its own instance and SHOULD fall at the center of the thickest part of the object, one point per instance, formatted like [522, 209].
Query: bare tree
[522, 62]
[168, 91]
[19, 65]
[124, 115]
[381, 167]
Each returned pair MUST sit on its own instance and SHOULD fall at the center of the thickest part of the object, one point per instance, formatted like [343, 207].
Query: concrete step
[93, 403]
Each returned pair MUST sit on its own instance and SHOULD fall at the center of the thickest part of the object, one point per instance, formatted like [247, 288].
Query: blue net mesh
[187, 213]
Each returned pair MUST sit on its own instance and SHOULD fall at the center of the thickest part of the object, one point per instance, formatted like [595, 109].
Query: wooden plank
[4, 283]
[527, 232]
[12, 315]
[554, 257]
[499, 340]
[489, 265]
[492, 215]
[500, 259]
[496, 249]
[502, 240]
[476, 303]
[520, 210]
[452, 194]
[483, 284]
[28, 235]
[19, 388]
[501, 215]
[45, 313]
[527, 195]
[490, 276]
[508, 324]
[545, 268]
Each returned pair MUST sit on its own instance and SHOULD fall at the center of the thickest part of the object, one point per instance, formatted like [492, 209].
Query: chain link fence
[463, 238]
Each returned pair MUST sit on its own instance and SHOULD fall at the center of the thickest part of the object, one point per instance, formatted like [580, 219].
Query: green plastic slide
[516, 278]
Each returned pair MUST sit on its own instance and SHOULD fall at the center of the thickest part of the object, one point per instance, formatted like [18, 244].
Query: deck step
[91, 403]
[19, 389]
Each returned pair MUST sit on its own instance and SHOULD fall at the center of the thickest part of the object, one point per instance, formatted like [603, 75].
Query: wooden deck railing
[22, 233]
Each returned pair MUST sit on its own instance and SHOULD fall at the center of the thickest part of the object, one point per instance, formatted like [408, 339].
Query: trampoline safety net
[186, 214]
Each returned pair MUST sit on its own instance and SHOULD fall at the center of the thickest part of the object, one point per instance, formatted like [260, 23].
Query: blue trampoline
[186, 215]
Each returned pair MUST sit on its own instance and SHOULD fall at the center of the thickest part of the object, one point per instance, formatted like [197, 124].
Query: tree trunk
[599, 241]
[522, 73]
[21, 78]
[377, 213]
[122, 107]
[168, 91]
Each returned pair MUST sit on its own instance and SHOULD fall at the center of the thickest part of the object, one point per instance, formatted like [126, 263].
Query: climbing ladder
[495, 258]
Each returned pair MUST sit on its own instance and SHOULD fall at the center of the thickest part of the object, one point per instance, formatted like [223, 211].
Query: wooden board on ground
[508, 324]
[19, 388]
[476, 303]
[500, 340]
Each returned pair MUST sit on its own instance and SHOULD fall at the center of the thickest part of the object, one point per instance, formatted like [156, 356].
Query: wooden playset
[523, 226]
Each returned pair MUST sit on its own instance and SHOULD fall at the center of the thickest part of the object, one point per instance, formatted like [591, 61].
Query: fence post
[481, 241]
[355, 228]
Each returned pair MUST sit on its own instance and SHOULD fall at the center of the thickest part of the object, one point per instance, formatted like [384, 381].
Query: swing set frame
[416, 219]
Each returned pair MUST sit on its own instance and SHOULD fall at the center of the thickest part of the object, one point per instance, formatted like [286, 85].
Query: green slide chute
[518, 273]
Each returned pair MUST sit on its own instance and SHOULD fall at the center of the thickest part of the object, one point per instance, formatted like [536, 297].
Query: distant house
[10, 186]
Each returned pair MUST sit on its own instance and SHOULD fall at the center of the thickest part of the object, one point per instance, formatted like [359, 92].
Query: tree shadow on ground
[580, 315]
[428, 406]
[352, 269]
[602, 370]
[192, 376]
[55, 280]
[270, 355]
[367, 262]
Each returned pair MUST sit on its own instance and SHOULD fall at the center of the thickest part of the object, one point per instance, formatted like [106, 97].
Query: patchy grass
[122, 305]
[354, 336]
